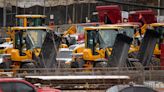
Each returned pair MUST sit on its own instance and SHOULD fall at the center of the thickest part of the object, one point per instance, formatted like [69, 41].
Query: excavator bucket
[47, 56]
[147, 46]
[120, 50]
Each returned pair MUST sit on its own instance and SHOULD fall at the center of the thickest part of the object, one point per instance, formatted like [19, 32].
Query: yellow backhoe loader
[28, 42]
[99, 42]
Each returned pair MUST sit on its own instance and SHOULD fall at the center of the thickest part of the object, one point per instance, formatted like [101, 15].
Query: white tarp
[29, 3]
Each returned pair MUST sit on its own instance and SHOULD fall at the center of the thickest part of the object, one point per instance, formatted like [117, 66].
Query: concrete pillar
[4, 13]
[161, 5]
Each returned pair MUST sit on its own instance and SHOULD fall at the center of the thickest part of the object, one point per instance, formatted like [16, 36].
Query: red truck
[19, 85]
[109, 14]
[144, 16]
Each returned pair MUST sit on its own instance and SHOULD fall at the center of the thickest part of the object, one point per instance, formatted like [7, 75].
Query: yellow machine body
[33, 33]
[87, 53]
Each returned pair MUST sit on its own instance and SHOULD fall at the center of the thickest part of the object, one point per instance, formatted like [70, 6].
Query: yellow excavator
[24, 21]
[27, 21]
[28, 42]
[99, 42]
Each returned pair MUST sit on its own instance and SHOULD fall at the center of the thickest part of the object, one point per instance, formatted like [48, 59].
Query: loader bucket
[47, 56]
[120, 50]
[147, 46]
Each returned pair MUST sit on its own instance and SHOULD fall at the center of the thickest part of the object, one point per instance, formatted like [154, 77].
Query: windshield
[35, 37]
[107, 38]
[35, 21]
[20, 22]
[128, 31]
[80, 29]
[64, 54]
[31, 21]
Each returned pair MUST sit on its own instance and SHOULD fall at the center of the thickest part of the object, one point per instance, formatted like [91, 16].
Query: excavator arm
[71, 30]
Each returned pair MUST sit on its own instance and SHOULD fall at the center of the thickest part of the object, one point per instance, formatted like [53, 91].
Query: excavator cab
[30, 20]
[132, 28]
[99, 42]
[27, 39]
[27, 42]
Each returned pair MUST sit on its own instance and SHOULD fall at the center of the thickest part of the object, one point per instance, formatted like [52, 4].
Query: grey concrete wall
[162, 5]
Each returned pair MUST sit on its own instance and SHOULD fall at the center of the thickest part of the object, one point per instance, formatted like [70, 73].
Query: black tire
[74, 64]
[27, 66]
[101, 64]
[81, 63]
[155, 63]
[137, 66]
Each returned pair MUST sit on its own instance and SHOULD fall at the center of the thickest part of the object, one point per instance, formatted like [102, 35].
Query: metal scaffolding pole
[73, 13]
[89, 7]
[66, 13]
[162, 10]
[44, 10]
[159, 6]
[4, 13]
[81, 13]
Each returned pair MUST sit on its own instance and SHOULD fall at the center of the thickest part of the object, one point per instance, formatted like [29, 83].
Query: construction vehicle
[30, 20]
[98, 46]
[109, 14]
[145, 17]
[160, 28]
[27, 44]
[27, 21]
[78, 28]
[151, 37]
[94, 52]
[75, 33]
[134, 27]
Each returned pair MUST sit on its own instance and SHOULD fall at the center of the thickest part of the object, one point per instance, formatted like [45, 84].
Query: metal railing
[146, 73]
[136, 75]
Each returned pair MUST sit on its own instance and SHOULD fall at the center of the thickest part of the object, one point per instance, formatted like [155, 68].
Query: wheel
[101, 64]
[137, 65]
[155, 63]
[81, 63]
[27, 66]
[74, 64]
